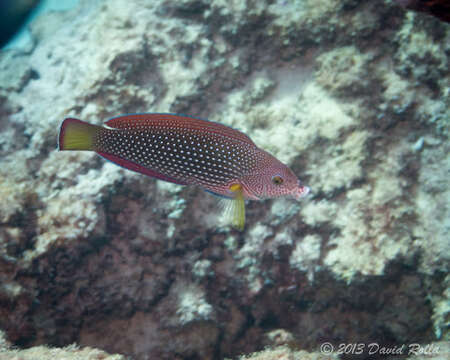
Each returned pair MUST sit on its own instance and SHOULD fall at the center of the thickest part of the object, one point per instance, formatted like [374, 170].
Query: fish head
[273, 179]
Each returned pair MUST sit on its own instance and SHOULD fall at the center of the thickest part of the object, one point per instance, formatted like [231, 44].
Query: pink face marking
[300, 191]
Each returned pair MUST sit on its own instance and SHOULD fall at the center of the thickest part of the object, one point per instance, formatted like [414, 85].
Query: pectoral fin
[234, 208]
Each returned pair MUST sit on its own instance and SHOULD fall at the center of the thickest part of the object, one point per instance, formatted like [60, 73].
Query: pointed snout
[300, 192]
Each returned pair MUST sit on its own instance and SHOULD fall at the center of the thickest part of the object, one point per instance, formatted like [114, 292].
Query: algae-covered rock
[344, 71]
[352, 95]
[284, 353]
[71, 352]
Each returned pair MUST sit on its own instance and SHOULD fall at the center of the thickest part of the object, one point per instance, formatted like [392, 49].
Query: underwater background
[352, 95]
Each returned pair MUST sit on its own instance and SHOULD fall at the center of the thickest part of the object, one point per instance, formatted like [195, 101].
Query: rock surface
[353, 95]
[71, 352]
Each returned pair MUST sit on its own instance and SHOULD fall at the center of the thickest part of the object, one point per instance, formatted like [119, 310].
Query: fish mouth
[300, 192]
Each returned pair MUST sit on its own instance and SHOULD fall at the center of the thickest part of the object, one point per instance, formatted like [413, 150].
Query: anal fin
[127, 164]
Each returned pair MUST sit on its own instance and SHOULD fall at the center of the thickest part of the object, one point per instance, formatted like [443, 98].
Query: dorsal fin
[132, 121]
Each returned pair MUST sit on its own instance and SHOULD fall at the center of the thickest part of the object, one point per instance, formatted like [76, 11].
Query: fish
[188, 151]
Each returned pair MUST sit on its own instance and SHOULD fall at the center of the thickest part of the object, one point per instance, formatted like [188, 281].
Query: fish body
[187, 151]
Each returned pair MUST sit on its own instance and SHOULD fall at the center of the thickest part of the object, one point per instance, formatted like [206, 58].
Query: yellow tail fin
[75, 134]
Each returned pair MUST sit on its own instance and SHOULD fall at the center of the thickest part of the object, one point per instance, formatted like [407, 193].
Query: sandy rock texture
[284, 353]
[353, 95]
[71, 352]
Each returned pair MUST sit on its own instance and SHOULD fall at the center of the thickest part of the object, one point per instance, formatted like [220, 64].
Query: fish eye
[277, 180]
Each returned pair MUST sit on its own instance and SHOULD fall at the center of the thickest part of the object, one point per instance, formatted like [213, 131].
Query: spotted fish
[188, 151]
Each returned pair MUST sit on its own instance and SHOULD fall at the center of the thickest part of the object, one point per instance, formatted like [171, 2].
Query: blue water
[22, 39]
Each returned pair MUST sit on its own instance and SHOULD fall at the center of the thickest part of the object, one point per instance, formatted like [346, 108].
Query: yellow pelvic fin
[234, 209]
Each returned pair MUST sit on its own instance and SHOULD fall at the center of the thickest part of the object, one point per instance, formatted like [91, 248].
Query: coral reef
[353, 95]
